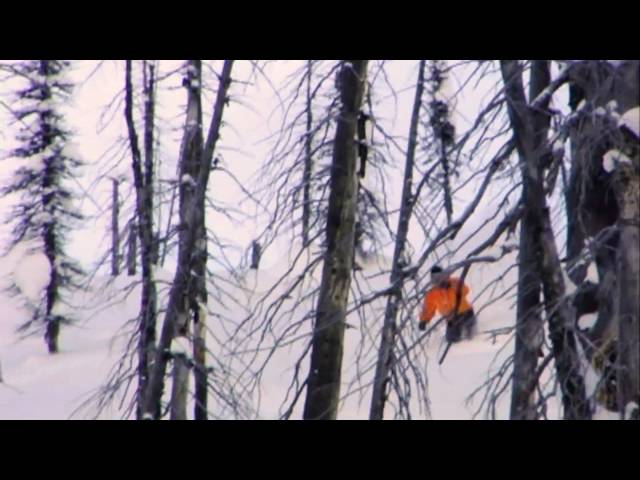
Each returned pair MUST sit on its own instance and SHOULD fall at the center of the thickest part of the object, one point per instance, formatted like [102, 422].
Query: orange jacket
[444, 300]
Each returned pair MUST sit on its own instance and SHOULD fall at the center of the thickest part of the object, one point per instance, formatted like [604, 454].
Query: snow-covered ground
[41, 386]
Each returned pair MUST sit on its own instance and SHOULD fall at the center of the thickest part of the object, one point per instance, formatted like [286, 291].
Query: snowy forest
[269, 239]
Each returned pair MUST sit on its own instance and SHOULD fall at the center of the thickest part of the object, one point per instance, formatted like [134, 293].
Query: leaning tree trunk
[323, 384]
[384, 364]
[177, 307]
[143, 183]
[533, 147]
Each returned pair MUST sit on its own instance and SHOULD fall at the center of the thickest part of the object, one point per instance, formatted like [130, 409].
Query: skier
[445, 295]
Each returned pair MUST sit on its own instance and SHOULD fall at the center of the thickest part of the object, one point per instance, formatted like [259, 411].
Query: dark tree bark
[323, 387]
[132, 247]
[143, 183]
[529, 326]
[627, 183]
[308, 163]
[190, 166]
[177, 309]
[443, 131]
[384, 364]
[255, 254]
[49, 234]
[595, 202]
[115, 231]
[532, 147]
[44, 210]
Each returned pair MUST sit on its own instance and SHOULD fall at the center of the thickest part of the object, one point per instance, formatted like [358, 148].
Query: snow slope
[39, 386]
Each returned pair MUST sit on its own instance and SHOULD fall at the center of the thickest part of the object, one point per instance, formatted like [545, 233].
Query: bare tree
[443, 130]
[115, 230]
[387, 340]
[529, 333]
[406, 366]
[45, 212]
[308, 159]
[532, 145]
[628, 285]
[143, 181]
[132, 247]
[600, 92]
[191, 163]
[326, 356]
[177, 309]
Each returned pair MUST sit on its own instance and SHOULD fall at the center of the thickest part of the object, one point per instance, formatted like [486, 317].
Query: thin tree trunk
[115, 231]
[448, 204]
[387, 341]
[149, 124]
[132, 247]
[532, 147]
[52, 321]
[143, 182]
[323, 387]
[255, 254]
[308, 164]
[49, 237]
[165, 241]
[178, 304]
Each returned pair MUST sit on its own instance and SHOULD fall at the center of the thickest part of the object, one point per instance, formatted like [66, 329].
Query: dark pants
[462, 326]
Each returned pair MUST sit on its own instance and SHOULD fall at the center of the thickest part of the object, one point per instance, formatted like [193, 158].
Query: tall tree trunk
[143, 182]
[442, 131]
[529, 326]
[308, 163]
[323, 388]
[115, 231]
[148, 71]
[533, 146]
[49, 237]
[384, 364]
[178, 295]
[197, 293]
